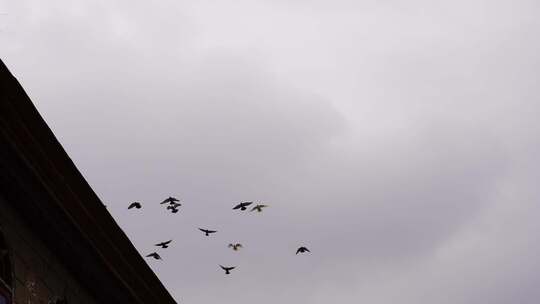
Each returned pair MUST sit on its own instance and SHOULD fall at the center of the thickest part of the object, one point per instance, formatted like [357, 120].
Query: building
[58, 243]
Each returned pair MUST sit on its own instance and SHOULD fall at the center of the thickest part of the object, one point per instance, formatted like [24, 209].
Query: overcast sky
[398, 140]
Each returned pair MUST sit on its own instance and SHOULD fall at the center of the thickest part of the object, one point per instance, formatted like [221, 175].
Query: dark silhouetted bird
[227, 269]
[174, 207]
[259, 208]
[302, 250]
[135, 205]
[164, 244]
[236, 246]
[207, 232]
[170, 200]
[154, 255]
[242, 206]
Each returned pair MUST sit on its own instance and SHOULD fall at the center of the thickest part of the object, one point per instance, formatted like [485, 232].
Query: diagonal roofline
[60, 202]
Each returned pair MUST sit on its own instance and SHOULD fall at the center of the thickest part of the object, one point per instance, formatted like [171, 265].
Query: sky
[397, 140]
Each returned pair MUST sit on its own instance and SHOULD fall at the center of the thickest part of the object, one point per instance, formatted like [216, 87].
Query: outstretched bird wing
[302, 249]
[243, 204]
[154, 255]
[226, 268]
[164, 243]
[258, 207]
[169, 199]
[134, 204]
[207, 231]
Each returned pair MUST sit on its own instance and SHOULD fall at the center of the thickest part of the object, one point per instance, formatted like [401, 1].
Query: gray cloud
[396, 140]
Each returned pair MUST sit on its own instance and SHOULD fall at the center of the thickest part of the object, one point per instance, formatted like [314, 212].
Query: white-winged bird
[164, 244]
[154, 255]
[135, 205]
[207, 232]
[227, 269]
[236, 246]
[302, 250]
[259, 208]
[242, 206]
[170, 200]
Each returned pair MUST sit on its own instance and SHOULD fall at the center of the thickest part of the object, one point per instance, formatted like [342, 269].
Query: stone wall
[39, 277]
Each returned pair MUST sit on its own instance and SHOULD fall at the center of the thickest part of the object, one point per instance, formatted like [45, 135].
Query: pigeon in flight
[236, 246]
[154, 255]
[227, 269]
[259, 208]
[302, 250]
[174, 205]
[169, 200]
[164, 244]
[242, 206]
[207, 232]
[135, 205]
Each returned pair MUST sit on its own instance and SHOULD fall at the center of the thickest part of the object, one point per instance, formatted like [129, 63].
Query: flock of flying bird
[173, 204]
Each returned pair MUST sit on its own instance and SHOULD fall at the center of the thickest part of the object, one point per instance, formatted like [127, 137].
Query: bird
[173, 205]
[302, 250]
[227, 269]
[164, 244]
[207, 232]
[259, 208]
[135, 205]
[236, 246]
[154, 255]
[242, 206]
[169, 200]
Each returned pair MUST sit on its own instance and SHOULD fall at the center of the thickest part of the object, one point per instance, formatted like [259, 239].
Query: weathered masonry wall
[39, 277]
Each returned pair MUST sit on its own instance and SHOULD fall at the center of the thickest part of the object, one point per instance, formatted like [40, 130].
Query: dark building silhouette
[58, 243]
